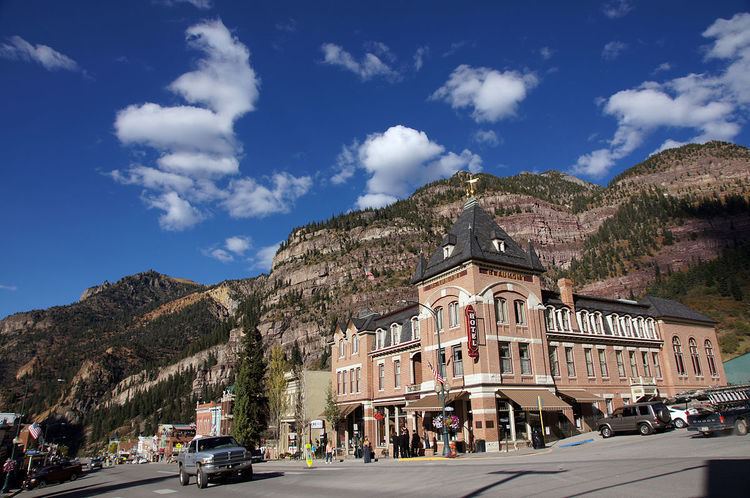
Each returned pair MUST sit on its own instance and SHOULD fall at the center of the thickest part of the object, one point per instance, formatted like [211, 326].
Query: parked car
[679, 416]
[141, 460]
[41, 476]
[709, 421]
[645, 418]
[207, 458]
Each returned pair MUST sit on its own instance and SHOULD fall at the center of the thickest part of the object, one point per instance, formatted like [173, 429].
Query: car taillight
[721, 419]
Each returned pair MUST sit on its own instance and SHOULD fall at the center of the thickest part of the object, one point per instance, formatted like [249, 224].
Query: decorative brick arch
[532, 298]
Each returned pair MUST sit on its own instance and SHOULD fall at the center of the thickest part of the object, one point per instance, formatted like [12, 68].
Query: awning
[527, 399]
[344, 410]
[580, 395]
[431, 402]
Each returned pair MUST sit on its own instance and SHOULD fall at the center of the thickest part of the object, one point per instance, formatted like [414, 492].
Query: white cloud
[668, 144]
[401, 159]
[486, 137]
[616, 8]
[546, 53]
[732, 43]
[49, 58]
[369, 67]
[613, 49]
[178, 215]
[493, 95]
[220, 255]
[11, 288]
[419, 57]
[664, 66]
[706, 105]
[247, 198]
[264, 257]
[346, 163]
[196, 141]
[239, 244]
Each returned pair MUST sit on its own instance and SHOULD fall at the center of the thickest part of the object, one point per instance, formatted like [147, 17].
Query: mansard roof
[655, 307]
[471, 237]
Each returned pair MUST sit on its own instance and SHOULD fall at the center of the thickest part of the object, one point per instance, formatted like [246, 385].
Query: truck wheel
[73, 477]
[246, 475]
[201, 479]
[740, 427]
[645, 429]
[679, 423]
[184, 477]
[606, 431]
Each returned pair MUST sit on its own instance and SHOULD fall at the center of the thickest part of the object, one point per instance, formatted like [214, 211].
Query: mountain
[124, 345]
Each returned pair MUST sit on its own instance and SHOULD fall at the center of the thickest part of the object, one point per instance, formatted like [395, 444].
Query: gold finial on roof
[471, 187]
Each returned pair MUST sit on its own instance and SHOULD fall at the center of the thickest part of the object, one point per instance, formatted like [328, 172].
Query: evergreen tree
[296, 360]
[276, 390]
[332, 412]
[251, 405]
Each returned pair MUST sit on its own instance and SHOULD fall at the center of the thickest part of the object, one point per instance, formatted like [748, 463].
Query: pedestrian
[396, 442]
[314, 448]
[329, 452]
[366, 450]
[434, 445]
[415, 444]
[404, 441]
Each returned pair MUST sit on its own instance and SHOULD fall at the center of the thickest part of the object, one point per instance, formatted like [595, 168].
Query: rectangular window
[525, 354]
[338, 382]
[443, 364]
[458, 362]
[589, 362]
[381, 376]
[415, 328]
[501, 310]
[603, 362]
[520, 310]
[355, 344]
[554, 361]
[453, 315]
[506, 361]
[439, 315]
[657, 366]
[646, 368]
[359, 377]
[397, 373]
[343, 382]
[570, 361]
[620, 364]
[633, 364]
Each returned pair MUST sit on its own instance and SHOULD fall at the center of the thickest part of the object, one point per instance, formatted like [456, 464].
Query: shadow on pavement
[727, 477]
[257, 476]
[625, 483]
[98, 489]
[511, 475]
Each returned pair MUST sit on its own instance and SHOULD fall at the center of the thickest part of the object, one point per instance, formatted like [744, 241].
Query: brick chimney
[566, 292]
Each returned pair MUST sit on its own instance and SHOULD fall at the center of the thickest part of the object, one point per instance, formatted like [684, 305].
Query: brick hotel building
[580, 356]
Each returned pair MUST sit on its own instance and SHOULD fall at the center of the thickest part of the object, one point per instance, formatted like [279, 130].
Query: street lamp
[446, 441]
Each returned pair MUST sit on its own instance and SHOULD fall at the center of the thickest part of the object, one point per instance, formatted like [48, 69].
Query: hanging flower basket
[453, 422]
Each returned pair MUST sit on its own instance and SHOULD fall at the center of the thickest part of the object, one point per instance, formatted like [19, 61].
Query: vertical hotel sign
[472, 333]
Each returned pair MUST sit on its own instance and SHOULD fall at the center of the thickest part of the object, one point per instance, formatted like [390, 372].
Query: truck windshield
[217, 442]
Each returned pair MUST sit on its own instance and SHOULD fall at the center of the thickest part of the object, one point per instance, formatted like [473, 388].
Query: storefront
[522, 411]
[429, 410]
[585, 411]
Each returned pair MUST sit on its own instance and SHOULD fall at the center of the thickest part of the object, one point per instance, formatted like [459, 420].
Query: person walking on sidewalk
[329, 452]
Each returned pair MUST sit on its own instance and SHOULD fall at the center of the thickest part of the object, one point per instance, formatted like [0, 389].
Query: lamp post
[446, 439]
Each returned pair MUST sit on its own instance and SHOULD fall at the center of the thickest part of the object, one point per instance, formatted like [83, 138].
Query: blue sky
[190, 137]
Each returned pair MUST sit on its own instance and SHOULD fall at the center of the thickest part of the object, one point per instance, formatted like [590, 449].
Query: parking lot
[676, 463]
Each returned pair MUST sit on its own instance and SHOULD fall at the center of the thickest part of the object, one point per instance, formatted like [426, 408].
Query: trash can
[480, 446]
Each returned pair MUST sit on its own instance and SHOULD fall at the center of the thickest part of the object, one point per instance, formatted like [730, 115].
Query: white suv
[679, 416]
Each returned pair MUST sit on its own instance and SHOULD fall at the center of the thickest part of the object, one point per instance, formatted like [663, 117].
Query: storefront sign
[316, 424]
[472, 333]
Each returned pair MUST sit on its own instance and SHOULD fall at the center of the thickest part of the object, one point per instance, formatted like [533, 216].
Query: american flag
[435, 374]
[35, 430]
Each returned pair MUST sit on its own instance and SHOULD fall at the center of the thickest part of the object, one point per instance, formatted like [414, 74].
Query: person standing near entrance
[416, 442]
[366, 450]
[396, 442]
[404, 440]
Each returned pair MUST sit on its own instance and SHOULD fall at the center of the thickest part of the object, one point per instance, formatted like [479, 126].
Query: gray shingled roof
[652, 306]
[402, 317]
[472, 234]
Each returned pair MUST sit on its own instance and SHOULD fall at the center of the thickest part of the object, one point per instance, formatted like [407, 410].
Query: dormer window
[395, 334]
[447, 251]
[449, 242]
[499, 245]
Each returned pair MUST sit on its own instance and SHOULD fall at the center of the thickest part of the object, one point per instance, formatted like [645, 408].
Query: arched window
[565, 314]
[355, 344]
[519, 307]
[583, 321]
[549, 318]
[651, 327]
[710, 358]
[395, 334]
[439, 324]
[615, 320]
[628, 326]
[453, 314]
[677, 348]
[379, 338]
[501, 310]
[694, 357]
[342, 347]
[415, 328]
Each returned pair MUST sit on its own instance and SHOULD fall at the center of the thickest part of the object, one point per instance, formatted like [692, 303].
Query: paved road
[670, 464]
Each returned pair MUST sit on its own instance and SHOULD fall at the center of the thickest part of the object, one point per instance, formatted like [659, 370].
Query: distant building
[510, 349]
[173, 438]
[310, 388]
[738, 369]
[215, 418]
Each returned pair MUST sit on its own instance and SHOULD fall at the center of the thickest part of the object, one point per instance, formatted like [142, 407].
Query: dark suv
[645, 418]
